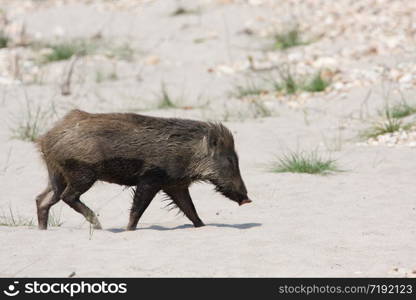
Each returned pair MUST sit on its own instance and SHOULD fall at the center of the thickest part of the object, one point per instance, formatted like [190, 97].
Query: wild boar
[150, 153]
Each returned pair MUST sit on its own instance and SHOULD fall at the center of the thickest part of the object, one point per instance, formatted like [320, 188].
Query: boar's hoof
[199, 224]
[97, 226]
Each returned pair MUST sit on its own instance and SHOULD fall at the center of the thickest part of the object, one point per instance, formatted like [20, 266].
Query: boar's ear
[213, 140]
[209, 143]
[204, 146]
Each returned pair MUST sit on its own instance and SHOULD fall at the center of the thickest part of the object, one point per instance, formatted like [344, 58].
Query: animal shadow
[242, 226]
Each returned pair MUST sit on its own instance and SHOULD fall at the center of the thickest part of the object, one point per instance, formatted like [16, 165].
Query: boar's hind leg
[47, 199]
[41, 196]
[183, 200]
[71, 197]
[142, 197]
[42, 210]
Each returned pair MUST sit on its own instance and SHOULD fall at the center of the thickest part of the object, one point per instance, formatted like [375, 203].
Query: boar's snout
[241, 191]
[245, 201]
[234, 190]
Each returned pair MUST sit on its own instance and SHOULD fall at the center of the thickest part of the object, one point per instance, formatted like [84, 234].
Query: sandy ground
[360, 222]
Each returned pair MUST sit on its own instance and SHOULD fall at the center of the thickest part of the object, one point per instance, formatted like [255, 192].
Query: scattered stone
[401, 137]
[152, 60]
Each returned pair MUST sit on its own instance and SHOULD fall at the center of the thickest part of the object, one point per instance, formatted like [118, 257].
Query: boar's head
[220, 164]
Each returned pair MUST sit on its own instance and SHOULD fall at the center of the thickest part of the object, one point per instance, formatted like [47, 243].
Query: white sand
[360, 222]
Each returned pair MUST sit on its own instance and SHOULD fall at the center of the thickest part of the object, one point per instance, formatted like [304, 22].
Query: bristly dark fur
[171, 205]
[150, 153]
[132, 191]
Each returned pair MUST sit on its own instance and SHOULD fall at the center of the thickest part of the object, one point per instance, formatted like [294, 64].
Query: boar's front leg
[182, 198]
[143, 195]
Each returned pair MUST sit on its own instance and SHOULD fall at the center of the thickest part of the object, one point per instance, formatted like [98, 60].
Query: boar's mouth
[232, 195]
